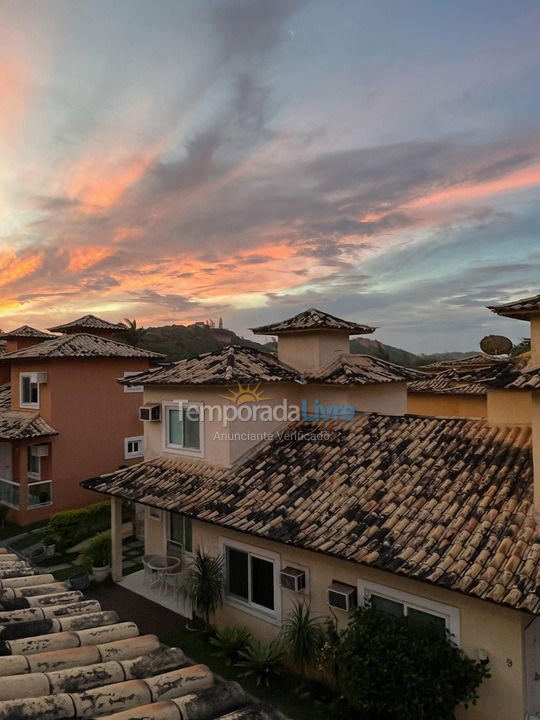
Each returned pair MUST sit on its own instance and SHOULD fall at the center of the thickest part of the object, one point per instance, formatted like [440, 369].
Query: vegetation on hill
[181, 341]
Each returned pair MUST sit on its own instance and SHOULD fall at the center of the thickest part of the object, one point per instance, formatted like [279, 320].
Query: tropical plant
[303, 636]
[204, 584]
[524, 345]
[99, 550]
[390, 669]
[232, 641]
[262, 661]
[134, 334]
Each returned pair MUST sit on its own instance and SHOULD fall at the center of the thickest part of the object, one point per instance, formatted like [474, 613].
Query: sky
[177, 160]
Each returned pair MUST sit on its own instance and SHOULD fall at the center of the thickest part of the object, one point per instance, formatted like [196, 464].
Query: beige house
[307, 474]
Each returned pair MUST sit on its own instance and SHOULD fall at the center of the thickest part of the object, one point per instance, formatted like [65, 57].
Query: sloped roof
[19, 425]
[5, 396]
[518, 309]
[80, 345]
[25, 331]
[313, 319]
[64, 656]
[515, 374]
[231, 363]
[448, 382]
[479, 360]
[89, 322]
[444, 500]
[350, 369]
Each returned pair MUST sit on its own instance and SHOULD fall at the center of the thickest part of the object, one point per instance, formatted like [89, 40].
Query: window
[29, 390]
[420, 611]
[179, 537]
[9, 493]
[252, 578]
[183, 428]
[133, 447]
[39, 494]
[33, 467]
[132, 388]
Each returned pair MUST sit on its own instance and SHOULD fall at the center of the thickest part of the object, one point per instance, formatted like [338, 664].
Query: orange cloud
[84, 258]
[14, 268]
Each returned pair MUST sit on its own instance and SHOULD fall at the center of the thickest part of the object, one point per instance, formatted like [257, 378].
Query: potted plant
[98, 555]
[204, 584]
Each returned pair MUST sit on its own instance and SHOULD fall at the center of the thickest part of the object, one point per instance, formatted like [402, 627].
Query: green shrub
[303, 636]
[203, 586]
[71, 527]
[262, 661]
[98, 553]
[232, 641]
[389, 669]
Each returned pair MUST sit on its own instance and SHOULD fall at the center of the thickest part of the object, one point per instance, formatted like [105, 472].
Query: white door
[532, 660]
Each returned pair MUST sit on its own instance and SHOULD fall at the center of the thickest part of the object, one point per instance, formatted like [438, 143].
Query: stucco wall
[471, 406]
[312, 351]
[483, 625]
[509, 407]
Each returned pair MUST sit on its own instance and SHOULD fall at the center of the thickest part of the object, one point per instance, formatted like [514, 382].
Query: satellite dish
[496, 345]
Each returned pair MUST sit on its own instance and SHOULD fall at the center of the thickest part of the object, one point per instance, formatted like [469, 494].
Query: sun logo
[245, 394]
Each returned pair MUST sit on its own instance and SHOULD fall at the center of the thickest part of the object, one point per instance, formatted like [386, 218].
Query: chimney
[312, 339]
[528, 309]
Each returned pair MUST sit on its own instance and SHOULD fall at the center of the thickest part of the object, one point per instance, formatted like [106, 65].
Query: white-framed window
[133, 388]
[133, 447]
[33, 466]
[179, 534]
[252, 579]
[39, 494]
[183, 428]
[29, 390]
[420, 611]
[9, 493]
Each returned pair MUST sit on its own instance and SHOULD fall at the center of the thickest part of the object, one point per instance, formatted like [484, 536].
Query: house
[63, 415]
[307, 474]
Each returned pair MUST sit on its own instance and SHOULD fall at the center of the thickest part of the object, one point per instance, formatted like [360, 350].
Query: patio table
[161, 565]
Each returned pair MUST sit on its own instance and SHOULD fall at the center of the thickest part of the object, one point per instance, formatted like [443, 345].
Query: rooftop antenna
[496, 345]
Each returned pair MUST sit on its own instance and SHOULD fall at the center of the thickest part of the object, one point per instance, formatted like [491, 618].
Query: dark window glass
[262, 582]
[191, 428]
[419, 619]
[386, 606]
[237, 573]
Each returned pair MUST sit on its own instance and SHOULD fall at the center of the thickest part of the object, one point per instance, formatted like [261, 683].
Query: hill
[180, 341]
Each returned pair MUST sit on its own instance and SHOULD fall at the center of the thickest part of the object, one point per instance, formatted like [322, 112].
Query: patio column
[116, 537]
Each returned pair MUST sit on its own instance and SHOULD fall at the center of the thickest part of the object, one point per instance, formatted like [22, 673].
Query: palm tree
[524, 345]
[134, 334]
[204, 584]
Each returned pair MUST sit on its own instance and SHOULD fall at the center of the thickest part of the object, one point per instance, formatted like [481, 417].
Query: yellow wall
[309, 352]
[440, 405]
[483, 625]
[509, 407]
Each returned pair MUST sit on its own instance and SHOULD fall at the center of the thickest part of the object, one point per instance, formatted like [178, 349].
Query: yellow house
[308, 476]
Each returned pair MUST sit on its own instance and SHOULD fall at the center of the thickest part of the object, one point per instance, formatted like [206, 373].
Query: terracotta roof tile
[448, 382]
[313, 319]
[518, 309]
[80, 345]
[5, 396]
[20, 425]
[229, 364]
[344, 489]
[25, 331]
[63, 656]
[351, 369]
[89, 322]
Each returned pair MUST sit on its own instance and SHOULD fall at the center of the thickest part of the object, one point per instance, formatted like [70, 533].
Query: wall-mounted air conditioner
[293, 579]
[150, 413]
[41, 377]
[342, 596]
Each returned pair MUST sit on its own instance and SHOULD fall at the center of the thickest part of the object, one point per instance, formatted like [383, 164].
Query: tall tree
[134, 334]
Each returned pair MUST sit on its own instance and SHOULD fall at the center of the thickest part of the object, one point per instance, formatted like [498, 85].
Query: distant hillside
[181, 341]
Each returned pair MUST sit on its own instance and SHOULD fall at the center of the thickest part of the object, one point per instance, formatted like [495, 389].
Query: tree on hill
[134, 334]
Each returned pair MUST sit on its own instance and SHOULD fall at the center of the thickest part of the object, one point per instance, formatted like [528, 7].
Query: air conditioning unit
[41, 377]
[342, 597]
[150, 413]
[39, 450]
[293, 579]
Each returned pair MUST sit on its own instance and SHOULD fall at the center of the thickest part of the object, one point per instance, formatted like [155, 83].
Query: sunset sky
[175, 160]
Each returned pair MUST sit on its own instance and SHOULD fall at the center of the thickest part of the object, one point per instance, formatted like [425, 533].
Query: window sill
[183, 451]
[29, 406]
[36, 507]
[34, 476]
[268, 617]
[137, 456]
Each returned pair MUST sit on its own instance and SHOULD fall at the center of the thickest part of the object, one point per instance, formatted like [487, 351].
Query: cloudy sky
[175, 160]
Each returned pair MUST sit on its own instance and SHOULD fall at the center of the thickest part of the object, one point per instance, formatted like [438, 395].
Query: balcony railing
[9, 493]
